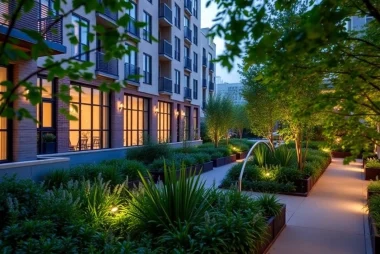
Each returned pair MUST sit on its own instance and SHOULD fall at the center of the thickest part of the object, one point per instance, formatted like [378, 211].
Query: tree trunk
[298, 141]
[216, 139]
[240, 134]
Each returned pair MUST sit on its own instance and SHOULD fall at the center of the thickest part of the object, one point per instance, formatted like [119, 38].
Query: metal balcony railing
[187, 33]
[166, 12]
[108, 13]
[204, 83]
[204, 61]
[106, 66]
[211, 66]
[166, 48]
[187, 93]
[211, 86]
[165, 85]
[187, 63]
[188, 6]
[132, 72]
[132, 28]
[39, 18]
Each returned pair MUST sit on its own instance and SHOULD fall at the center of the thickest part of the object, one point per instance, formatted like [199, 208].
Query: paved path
[331, 220]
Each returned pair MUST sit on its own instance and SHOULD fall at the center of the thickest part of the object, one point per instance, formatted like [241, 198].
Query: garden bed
[275, 226]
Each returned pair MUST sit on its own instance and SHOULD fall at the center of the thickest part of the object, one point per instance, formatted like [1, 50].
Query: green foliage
[48, 137]
[374, 209]
[374, 186]
[201, 158]
[149, 152]
[127, 168]
[56, 177]
[204, 133]
[219, 114]
[372, 163]
[166, 206]
[269, 203]
[240, 119]
[284, 156]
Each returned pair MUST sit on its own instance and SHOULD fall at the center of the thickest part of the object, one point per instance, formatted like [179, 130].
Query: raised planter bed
[207, 166]
[369, 157]
[335, 154]
[375, 237]
[230, 159]
[275, 226]
[371, 173]
[241, 156]
[218, 162]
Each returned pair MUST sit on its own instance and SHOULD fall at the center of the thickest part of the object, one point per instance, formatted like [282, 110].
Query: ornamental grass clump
[374, 186]
[269, 203]
[372, 163]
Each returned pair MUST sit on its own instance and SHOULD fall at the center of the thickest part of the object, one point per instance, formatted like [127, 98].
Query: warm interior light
[114, 209]
[183, 113]
[121, 106]
[176, 113]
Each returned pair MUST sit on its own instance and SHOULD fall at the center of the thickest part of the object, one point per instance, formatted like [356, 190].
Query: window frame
[177, 16]
[177, 86]
[147, 30]
[187, 124]
[177, 48]
[147, 79]
[195, 123]
[9, 123]
[161, 118]
[195, 62]
[195, 35]
[81, 20]
[195, 89]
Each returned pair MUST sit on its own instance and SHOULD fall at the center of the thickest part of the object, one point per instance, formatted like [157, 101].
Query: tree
[110, 41]
[263, 108]
[240, 119]
[218, 113]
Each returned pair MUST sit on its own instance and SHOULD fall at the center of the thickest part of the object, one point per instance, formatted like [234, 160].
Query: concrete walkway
[332, 219]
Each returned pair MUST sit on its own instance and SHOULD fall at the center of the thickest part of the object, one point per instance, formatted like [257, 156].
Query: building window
[164, 117]
[186, 22]
[178, 123]
[186, 124]
[195, 8]
[177, 48]
[187, 81]
[91, 107]
[4, 122]
[80, 50]
[177, 16]
[136, 120]
[147, 32]
[147, 68]
[195, 39]
[209, 57]
[195, 123]
[177, 84]
[195, 89]
[45, 116]
[195, 62]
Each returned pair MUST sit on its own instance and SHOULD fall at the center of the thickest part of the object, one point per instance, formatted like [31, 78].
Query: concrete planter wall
[230, 159]
[219, 162]
[241, 155]
[371, 173]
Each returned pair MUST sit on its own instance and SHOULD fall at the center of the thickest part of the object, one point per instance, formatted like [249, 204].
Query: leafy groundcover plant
[94, 216]
[276, 171]
[372, 163]
[374, 186]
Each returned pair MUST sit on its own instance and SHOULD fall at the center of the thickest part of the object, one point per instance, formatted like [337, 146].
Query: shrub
[149, 152]
[374, 186]
[127, 168]
[56, 177]
[201, 158]
[285, 157]
[269, 203]
[184, 159]
[372, 163]
[374, 209]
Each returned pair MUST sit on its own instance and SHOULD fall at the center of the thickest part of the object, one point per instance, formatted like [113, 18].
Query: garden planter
[219, 162]
[275, 226]
[369, 157]
[371, 193]
[375, 237]
[241, 155]
[303, 186]
[340, 154]
[230, 159]
[48, 147]
[207, 166]
[371, 173]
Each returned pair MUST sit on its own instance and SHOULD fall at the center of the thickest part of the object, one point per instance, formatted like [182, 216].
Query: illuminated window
[195, 123]
[136, 120]
[45, 115]
[4, 134]
[91, 108]
[186, 124]
[164, 122]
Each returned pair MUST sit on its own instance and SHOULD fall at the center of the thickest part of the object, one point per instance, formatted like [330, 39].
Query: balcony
[187, 64]
[187, 93]
[204, 61]
[132, 30]
[132, 73]
[188, 6]
[166, 15]
[107, 16]
[187, 34]
[39, 19]
[211, 86]
[165, 50]
[204, 83]
[165, 86]
[105, 67]
[211, 66]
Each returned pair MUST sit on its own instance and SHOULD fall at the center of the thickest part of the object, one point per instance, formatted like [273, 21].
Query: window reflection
[136, 120]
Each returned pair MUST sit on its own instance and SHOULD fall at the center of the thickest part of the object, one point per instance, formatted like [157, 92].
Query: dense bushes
[88, 215]
[276, 171]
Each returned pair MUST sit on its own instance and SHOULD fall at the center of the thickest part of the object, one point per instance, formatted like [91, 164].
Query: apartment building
[232, 91]
[167, 83]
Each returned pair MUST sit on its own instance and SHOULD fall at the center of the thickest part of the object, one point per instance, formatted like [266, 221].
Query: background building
[165, 104]
[231, 90]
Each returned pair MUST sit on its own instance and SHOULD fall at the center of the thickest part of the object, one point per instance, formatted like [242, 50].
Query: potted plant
[372, 169]
[49, 143]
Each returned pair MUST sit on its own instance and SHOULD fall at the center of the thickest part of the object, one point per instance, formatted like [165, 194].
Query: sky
[207, 15]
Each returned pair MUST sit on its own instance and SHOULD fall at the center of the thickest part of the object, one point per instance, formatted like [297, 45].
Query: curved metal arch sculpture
[246, 159]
